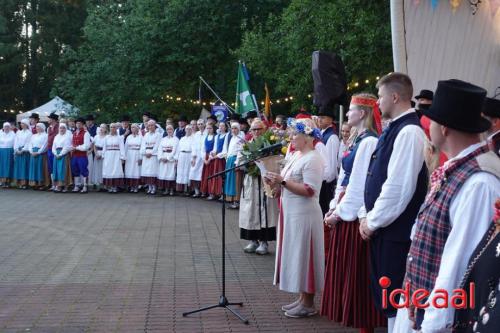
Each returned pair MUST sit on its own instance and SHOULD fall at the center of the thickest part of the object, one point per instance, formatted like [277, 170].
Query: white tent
[57, 105]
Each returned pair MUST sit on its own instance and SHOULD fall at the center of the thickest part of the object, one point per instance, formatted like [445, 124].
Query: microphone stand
[223, 301]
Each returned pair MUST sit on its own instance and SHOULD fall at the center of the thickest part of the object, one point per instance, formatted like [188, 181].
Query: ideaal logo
[460, 298]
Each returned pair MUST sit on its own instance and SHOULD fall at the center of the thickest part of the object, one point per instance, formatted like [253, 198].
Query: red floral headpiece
[372, 103]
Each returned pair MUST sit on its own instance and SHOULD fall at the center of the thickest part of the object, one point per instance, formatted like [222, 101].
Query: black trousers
[326, 195]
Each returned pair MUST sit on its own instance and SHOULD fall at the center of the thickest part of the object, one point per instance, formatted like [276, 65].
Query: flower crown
[302, 127]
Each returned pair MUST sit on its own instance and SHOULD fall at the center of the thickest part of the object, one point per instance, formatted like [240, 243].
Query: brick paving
[131, 263]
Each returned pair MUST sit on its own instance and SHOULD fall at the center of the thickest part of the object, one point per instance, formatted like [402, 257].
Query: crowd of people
[401, 196]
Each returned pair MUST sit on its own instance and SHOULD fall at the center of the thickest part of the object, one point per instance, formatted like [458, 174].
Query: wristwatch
[283, 183]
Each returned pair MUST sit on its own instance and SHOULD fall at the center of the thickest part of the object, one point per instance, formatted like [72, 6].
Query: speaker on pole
[330, 82]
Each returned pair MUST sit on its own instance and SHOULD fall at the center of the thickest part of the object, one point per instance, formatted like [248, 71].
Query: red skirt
[215, 184]
[113, 182]
[347, 298]
[166, 184]
[133, 181]
[208, 170]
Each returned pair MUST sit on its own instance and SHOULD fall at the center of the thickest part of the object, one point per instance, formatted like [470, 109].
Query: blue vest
[209, 144]
[400, 229]
[92, 130]
[348, 160]
[327, 134]
[220, 142]
[180, 132]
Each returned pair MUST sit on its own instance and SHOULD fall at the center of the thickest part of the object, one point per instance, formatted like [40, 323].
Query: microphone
[268, 149]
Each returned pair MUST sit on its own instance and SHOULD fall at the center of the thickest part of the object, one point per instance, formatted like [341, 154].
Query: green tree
[279, 51]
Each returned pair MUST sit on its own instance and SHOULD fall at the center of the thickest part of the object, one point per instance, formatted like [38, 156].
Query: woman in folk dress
[184, 161]
[22, 155]
[39, 172]
[7, 138]
[114, 156]
[300, 252]
[207, 147]
[149, 152]
[133, 159]
[232, 182]
[167, 153]
[197, 164]
[215, 184]
[61, 166]
[102, 132]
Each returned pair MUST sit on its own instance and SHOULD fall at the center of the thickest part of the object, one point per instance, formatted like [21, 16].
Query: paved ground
[130, 263]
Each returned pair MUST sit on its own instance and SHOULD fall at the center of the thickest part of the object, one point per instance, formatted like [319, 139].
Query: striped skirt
[6, 165]
[215, 184]
[208, 170]
[347, 298]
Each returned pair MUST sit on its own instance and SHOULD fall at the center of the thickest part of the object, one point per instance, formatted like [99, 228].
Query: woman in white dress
[167, 153]
[300, 252]
[133, 159]
[98, 140]
[149, 153]
[61, 148]
[7, 138]
[197, 158]
[22, 155]
[39, 172]
[184, 161]
[114, 156]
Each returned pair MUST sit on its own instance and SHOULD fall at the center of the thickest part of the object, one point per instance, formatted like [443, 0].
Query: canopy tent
[56, 105]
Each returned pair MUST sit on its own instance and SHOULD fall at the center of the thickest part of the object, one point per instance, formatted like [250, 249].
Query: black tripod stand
[223, 302]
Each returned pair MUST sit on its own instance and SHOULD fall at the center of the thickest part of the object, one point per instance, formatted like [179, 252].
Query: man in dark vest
[459, 207]
[181, 130]
[396, 184]
[125, 130]
[90, 123]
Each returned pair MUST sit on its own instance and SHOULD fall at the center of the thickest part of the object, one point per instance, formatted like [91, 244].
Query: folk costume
[52, 131]
[167, 156]
[6, 155]
[184, 163]
[232, 182]
[149, 167]
[61, 148]
[346, 297]
[197, 156]
[37, 147]
[22, 155]
[112, 170]
[396, 184]
[133, 161]
[215, 184]
[79, 158]
[207, 146]
[98, 143]
[450, 224]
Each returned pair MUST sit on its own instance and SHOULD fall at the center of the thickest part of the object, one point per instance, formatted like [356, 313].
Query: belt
[134, 148]
[98, 148]
[167, 150]
[185, 151]
[113, 149]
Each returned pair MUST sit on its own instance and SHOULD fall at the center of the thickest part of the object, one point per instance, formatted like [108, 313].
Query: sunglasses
[256, 129]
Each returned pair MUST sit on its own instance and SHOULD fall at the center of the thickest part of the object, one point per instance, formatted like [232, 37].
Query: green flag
[244, 100]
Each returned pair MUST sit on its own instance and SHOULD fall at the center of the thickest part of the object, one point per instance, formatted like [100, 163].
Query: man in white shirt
[459, 208]
[396, 184]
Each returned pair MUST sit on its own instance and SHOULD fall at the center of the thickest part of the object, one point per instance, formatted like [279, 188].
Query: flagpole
[215, 94]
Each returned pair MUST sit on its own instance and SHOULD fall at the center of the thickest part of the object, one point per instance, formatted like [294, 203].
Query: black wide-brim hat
[492, 107]
[90, 117]
[326, 112]
[34, 116]
[183, 118]
[53, 116]
[125, 118]
[427, 94]
[251, 114]
[458, 105]
[147, 114]
[80, 120]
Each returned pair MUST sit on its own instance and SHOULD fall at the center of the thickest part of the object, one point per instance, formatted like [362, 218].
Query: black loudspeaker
[330, 82]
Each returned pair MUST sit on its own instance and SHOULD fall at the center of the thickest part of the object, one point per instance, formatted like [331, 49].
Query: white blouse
[22, 140]
[62, 141]
[39, 141]
[7, 139]
[235, 146]
[133, 142]
[150, 143]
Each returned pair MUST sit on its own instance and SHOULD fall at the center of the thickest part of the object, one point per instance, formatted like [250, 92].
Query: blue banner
[220, 112]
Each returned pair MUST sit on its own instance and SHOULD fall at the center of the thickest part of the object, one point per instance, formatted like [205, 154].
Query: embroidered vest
[78, 139]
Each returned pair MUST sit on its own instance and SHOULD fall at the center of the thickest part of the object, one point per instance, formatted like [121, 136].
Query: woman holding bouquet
[300, 246]
[346, 296]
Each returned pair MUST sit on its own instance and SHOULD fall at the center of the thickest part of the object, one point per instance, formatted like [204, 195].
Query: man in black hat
[491, 111]
[332, 143]
[79, 160]
[34, 119]
[125, 130]
[181, 130]
[52, 131]
[460, 206]
[90, 123]
[146, 116]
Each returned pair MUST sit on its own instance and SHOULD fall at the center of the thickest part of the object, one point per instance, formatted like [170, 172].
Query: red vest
[51, 133]
[78, 139]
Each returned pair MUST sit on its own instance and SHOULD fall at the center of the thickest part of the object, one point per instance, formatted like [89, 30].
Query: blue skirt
[22, 166]
[230, 181]
[59, 167]
[36, 168]
[6, 164]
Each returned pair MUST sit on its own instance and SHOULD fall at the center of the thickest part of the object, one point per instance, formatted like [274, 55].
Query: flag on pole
[267, 106]
[244, 101]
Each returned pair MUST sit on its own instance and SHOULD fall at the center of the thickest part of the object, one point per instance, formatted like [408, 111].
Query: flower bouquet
[267, 161]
